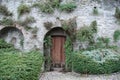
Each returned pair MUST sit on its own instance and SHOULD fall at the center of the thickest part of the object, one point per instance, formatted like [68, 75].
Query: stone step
[58, 69]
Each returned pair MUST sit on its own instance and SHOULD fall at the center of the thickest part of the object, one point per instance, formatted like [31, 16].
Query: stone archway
[54, 51]
[12, 35]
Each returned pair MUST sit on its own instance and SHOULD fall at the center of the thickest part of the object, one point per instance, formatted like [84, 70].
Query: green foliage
[93, 26]
[86, 33]
[116, 35]
[28, 28]
[6, 21]
[34, 30]
[50, 5]
[48, 25]
[26, 22]
[55, 3]
[6, 47]
[68, 54]
[86, 65]
[95, 11]
[101, 55]
[101, 43]
[22, 9]
[117, 13]
[69, 7]
[45, 7]
[104, 40]
[47, 48]
[4, 11]
[20, 66]
[47, 41]
[70, 27]
[22, 42]
[16, 65]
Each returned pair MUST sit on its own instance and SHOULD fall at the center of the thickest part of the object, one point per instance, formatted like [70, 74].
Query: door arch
[54, 51]
[12, 35]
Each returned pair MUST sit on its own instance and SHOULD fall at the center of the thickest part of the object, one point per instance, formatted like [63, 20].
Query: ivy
[86, 33]
[69, 7]
[116, 35]
[22, 9]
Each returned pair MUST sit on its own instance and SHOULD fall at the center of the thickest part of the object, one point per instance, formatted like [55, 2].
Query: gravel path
[74, 76]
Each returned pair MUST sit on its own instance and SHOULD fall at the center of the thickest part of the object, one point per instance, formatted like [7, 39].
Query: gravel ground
[74, 76]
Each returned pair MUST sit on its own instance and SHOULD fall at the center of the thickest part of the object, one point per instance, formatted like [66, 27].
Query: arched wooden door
[57, 51]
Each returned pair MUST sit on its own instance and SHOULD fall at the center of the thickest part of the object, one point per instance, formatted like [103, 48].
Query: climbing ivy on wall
[68, 54]
[69, 7]
[4, 11]
[6, 21]
[48, 25]
[49, 6]
[47, 47]
[116, 35]
[86, 33]
[22, 9]
[70, 26]
[117, 13]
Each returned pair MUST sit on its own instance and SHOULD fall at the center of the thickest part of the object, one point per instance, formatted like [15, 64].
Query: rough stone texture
[74, 76]
[83, 13]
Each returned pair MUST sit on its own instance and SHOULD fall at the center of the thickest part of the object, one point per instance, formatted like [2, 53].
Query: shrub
[100, 43]
[117, 13]
[22, 42]
[48, 25]
[4, 44]
[16, 65]
[68, 54]
[22, 9]
[27, 21]
[85, 64]
[20, 66]
[4, 11]
[50, 5]
[93, 26]
[34, 30]
[45, 7]
[70, 27]
[116, 35]
[104, 41]
[6, 21]
[86, 33]
[69, 7]
[100, 55]
[6, 47]
[55, 3]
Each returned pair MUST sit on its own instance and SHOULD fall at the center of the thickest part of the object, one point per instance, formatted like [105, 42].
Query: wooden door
[57, 53]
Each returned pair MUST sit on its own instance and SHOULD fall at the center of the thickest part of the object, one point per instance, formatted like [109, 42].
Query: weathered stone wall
[107, 23]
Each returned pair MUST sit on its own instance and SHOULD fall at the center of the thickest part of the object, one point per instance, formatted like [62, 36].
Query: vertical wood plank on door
[58, 56]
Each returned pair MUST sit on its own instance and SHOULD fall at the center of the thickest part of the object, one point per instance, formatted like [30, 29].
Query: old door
[57, 53]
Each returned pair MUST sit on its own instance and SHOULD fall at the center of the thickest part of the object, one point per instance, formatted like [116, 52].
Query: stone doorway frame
[57, 31]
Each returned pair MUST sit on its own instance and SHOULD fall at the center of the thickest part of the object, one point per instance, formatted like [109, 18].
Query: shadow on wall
[12, 35]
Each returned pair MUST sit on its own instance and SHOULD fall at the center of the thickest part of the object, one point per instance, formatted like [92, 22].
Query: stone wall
[107, 23]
